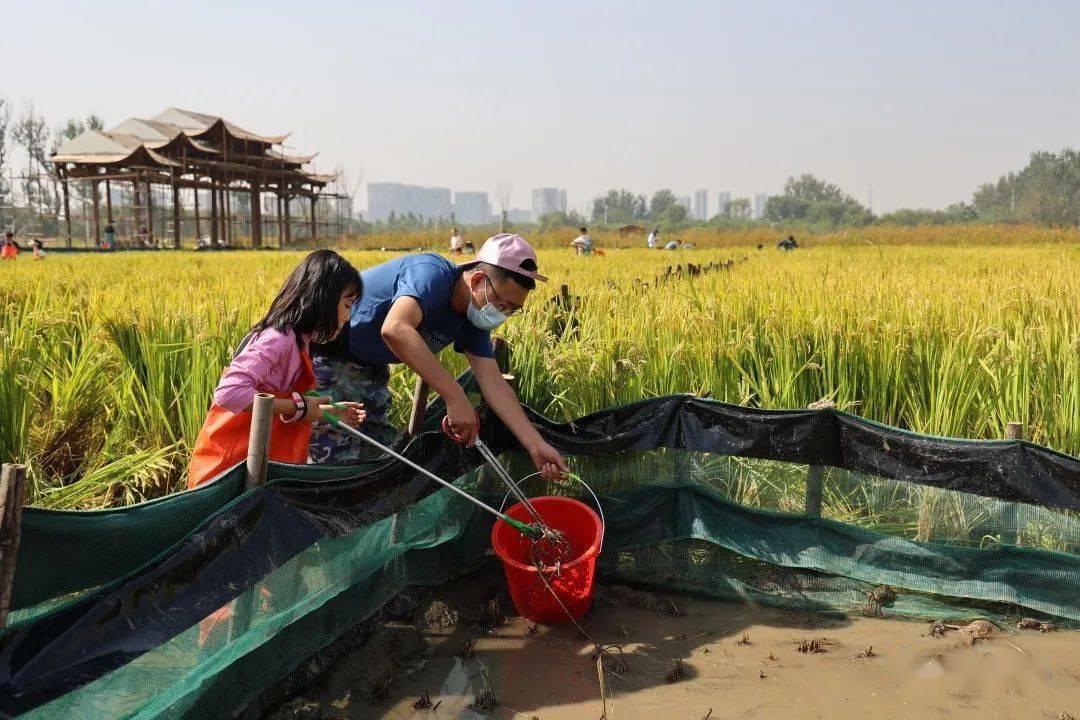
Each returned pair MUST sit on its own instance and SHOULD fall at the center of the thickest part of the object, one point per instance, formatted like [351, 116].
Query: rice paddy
[109, 361]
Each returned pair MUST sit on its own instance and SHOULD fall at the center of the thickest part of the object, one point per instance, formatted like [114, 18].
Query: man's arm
[399, 332]
[504, 401]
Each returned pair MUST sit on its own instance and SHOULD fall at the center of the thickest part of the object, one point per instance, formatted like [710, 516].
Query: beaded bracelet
[301, 409]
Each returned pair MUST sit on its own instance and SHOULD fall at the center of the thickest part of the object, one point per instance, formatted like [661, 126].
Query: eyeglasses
[505, 307]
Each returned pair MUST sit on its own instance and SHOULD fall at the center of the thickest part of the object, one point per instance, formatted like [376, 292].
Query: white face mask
[486, 318]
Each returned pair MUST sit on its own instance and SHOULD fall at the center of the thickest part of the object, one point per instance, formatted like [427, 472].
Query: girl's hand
[350, 413]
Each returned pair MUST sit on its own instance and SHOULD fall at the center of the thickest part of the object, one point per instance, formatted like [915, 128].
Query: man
[583, 244]
[457, 245]
[651, 241]
[410, 309]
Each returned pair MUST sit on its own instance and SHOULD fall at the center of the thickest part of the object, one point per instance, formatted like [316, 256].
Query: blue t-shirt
[430, 279]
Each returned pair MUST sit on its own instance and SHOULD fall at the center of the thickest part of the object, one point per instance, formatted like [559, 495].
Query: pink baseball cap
[510, 252]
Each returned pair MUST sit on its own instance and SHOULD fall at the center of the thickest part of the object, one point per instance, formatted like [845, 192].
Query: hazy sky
[919, 101]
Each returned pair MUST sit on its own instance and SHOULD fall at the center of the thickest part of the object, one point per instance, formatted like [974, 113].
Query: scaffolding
[185, 174]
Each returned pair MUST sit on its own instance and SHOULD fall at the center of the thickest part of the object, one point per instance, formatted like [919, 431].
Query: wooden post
[97, 213]
[288, 221]
[198, 223]
[502, 359]
[281, 228]
[214, 223]
[313, 199]
[150, 214]
[1013, 431]
[262, 411]
[108, 202]
[67, 210]
[256, 217]
[12, 489]
[175, 211]
[227, 221]
[419, 406]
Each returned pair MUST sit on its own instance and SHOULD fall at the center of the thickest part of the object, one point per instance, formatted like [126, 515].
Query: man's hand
[463, 418]
[548, 461]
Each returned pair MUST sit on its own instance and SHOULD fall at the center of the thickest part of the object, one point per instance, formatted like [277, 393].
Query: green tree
[618, 207]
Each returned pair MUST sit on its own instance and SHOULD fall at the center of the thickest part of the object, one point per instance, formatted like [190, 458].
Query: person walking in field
[38, 248]
[651, 241]
[312, 306]
[412, 308]
[457, 245]
[582, 244]
[110, 237]
[9, 249]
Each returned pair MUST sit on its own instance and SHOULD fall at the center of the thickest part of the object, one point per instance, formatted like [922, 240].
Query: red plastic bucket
[572, 581]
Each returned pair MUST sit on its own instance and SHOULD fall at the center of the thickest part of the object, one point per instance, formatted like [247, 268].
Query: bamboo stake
[262, 410]
[12, 489]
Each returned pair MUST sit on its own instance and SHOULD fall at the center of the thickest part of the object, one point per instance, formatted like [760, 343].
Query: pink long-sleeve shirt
[270, 362]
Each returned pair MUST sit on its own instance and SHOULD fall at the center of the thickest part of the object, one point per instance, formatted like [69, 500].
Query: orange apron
[223, 440]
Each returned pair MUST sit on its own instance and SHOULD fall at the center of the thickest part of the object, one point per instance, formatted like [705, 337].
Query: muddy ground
[460, 651]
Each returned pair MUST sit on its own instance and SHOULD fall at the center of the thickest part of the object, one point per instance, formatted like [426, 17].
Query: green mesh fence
[695, 522]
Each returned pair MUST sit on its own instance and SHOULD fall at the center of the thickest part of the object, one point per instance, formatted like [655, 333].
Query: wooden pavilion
[184, 150]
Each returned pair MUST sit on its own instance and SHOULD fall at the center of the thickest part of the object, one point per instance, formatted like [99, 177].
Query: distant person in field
[9, 249]
[38, 248]
[469, 248]
[312, 306]
[457, 245]
[582, 244]
[652, 240]
[787, 244]
[412, 308]
[110, 237]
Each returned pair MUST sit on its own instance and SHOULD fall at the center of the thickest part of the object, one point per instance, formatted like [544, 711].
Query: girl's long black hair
[308, 301]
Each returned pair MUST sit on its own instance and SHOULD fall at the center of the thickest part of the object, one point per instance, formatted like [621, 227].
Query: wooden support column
[67, 210]
[108, 203]
[149, 214]
[198, 224]
[281, 227]
[256, 216]
[419, 407]
[12, 491]
[214, 225]
[262, 410]
[226, 203]
[288, 221]
[313, 200]
[97, 213]
[175, 212]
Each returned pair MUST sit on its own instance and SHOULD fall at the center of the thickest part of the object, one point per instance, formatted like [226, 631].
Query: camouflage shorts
[346, 380]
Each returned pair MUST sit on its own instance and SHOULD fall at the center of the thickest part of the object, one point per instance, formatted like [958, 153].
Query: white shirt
[456, 242]
[651, 242]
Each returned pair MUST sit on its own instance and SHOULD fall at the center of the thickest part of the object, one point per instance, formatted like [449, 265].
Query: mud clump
[938, 628]
[1033, 624]
[978, 630]
[881, 595]
[423, 702]
[744, 640]
[810, 647]
[617, 595]
[866, 654]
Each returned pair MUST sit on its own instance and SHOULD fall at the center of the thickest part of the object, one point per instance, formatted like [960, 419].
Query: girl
[313, 306]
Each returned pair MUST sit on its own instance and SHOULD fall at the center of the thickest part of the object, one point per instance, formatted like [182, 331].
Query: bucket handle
[603, 521]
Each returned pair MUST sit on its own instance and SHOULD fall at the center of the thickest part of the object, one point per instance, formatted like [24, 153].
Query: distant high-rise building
[399, 199]
[723, 201]
[701, 204]
[546, 201]
[759, 205]
[472, 208]
[518, 216]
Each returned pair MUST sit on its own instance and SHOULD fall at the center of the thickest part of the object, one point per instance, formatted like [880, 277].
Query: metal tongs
[549, 534]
